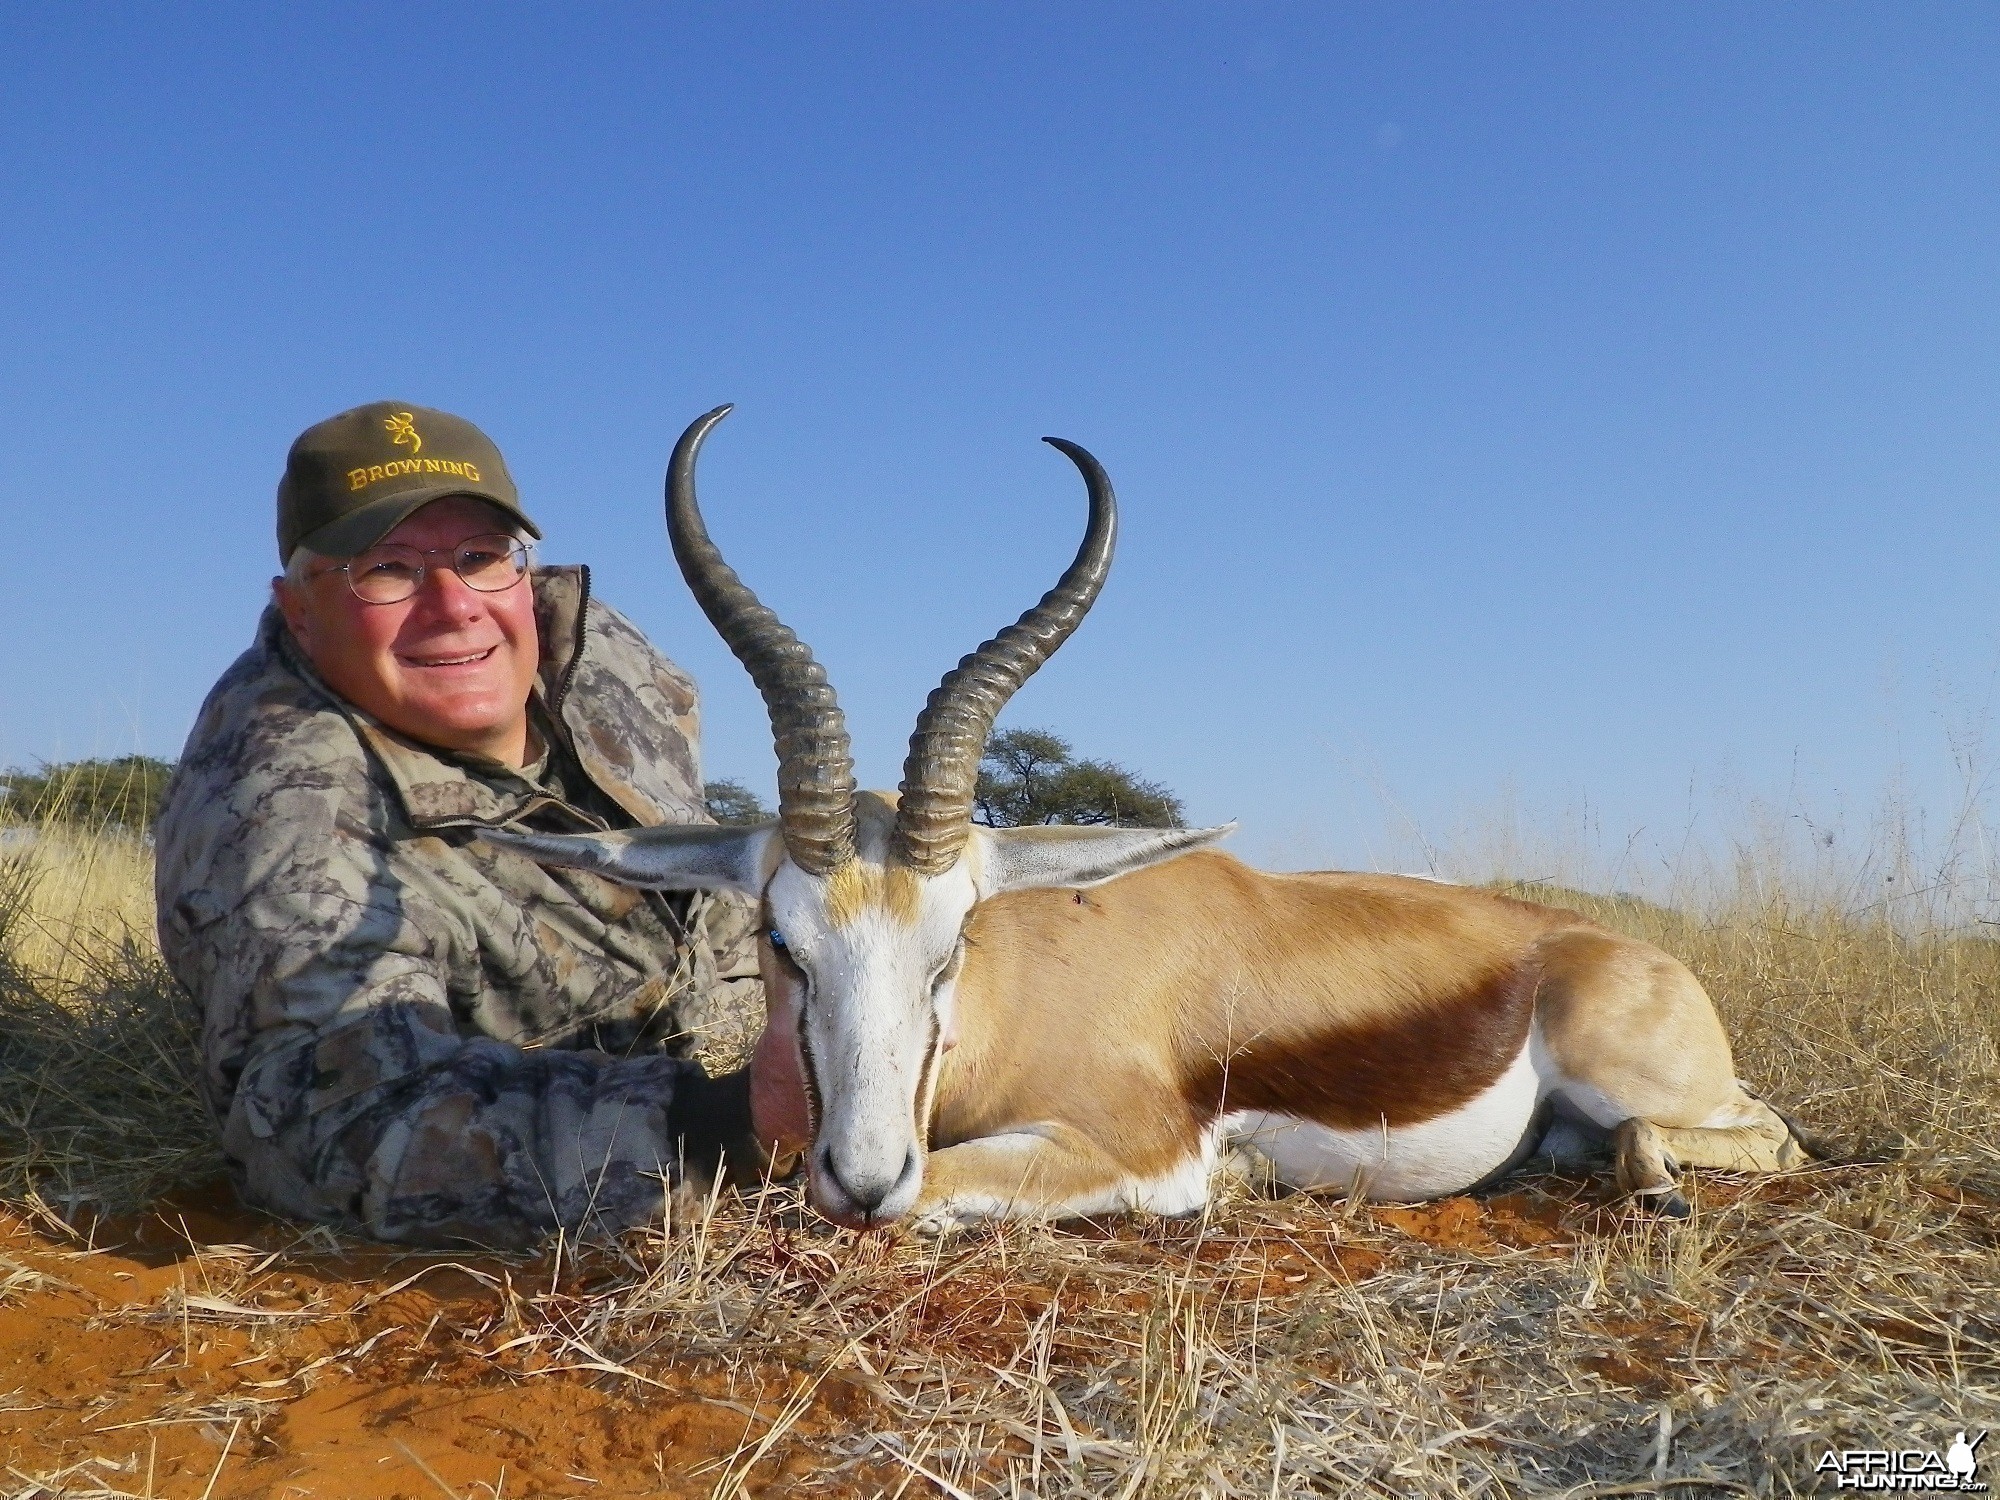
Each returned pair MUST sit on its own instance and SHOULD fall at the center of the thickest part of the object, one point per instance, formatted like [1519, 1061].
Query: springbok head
[865, 896]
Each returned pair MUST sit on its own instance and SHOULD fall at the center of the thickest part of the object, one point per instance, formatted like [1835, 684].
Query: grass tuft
[99, 1048]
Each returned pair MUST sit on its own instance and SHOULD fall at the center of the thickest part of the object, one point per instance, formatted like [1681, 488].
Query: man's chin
[459, 721]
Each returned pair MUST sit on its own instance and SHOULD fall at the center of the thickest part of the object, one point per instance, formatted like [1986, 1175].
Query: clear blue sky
[1588, 406]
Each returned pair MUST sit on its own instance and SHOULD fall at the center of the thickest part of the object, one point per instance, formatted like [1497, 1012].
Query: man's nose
[445, 594]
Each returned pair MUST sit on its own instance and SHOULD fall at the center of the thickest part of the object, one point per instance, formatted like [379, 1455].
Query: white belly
[1403, 1163]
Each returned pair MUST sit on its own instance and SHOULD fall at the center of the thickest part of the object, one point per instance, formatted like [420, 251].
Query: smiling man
[409, 1033]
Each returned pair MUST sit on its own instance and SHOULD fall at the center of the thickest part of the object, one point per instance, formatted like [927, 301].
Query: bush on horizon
[123, 792]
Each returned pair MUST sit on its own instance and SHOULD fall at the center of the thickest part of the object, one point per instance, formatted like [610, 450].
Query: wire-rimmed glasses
[389, 572]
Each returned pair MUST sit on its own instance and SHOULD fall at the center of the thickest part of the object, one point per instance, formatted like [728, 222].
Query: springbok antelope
[1066, 1021]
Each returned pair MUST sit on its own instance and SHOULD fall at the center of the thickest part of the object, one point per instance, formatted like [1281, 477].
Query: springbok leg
[1049, 1171]
[1651, 1156]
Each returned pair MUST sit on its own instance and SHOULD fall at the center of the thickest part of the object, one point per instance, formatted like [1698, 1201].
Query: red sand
[111, 1355]
[359, 1372]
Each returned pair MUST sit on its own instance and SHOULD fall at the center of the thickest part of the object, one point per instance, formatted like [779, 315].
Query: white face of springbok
[865, 961]
[866, 896]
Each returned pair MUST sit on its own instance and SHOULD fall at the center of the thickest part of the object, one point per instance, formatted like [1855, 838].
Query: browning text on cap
[353, 478]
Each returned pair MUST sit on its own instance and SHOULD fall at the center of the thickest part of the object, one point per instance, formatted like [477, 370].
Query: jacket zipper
[576, 656]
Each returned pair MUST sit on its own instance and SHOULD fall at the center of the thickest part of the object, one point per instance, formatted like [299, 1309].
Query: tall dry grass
[99, 1049]
[1546, 1340]
[79, 896]
[1882, 1039]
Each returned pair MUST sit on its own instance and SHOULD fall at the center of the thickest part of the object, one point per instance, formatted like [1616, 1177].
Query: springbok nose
[867, 1189]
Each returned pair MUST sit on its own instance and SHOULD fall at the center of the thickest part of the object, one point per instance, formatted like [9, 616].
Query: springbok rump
[1061, 1021]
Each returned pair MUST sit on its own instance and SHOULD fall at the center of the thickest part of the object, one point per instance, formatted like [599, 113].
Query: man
[409, 1033]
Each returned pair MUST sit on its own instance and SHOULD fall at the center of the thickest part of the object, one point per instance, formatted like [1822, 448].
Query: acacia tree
[1032, 776]
[733, 802]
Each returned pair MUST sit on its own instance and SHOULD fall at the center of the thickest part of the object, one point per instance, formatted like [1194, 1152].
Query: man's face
[449, 666]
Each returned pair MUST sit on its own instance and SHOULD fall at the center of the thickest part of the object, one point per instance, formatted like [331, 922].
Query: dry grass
[99, 1049]
[1537, 1344]
[1879, 1038]
[1542, 1341]
[74, 899]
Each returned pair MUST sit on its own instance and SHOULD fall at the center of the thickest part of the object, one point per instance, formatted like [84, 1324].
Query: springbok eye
[781, 951]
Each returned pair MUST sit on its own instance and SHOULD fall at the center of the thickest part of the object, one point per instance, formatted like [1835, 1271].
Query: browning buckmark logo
[402, 429]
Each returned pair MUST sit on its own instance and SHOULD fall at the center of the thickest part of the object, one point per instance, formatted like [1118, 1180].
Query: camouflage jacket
[410, 1033]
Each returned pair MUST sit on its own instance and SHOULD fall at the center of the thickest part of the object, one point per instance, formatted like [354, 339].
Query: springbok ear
[673, 858]
[1022, 859]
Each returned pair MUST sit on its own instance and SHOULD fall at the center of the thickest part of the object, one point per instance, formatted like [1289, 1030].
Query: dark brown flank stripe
[1407, 1068]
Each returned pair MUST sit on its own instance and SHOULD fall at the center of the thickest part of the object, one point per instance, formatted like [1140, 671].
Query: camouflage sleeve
[729, 924]
[722, 1010]
[385, 1121]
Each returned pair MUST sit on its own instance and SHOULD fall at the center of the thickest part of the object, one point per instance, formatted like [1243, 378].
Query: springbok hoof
[936, 1220]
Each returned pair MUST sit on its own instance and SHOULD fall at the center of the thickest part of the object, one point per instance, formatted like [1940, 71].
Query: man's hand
[778, 1108]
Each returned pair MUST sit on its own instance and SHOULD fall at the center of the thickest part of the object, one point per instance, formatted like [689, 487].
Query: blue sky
[1588, 410]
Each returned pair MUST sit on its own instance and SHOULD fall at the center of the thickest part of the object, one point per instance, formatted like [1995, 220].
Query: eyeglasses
[390, 573]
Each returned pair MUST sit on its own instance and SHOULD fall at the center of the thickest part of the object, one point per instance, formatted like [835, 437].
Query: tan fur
[863, 886]
[1119, 1023]
[1021, 1177]
[1637, 1024]
[873, 883]
[870, 882]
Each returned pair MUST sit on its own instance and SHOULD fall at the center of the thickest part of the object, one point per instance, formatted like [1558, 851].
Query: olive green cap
[352, 479]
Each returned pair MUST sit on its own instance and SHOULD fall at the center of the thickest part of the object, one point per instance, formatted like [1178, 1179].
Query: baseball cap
[352, 479]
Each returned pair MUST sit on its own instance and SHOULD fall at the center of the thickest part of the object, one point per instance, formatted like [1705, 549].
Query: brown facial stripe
[1404, 1068]
[926, 1100]
[809, 1075]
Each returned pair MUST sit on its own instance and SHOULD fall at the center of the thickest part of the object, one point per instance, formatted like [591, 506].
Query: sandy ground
[204, 1351]
[201, 1350]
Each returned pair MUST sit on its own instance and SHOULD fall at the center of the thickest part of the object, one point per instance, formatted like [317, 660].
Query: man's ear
[674, 858]
[292, 606]
[1020, 859]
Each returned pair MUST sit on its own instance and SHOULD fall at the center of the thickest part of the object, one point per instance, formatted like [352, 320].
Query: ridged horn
[934, 818]
[815, 764]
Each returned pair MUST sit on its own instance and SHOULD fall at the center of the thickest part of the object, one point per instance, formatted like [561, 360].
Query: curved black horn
[934, 818]
[815, 765]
